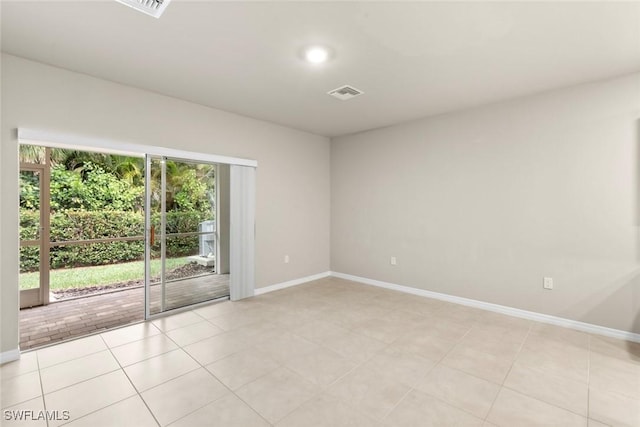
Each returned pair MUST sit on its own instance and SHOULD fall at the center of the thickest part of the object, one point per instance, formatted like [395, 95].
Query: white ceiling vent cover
[150, 7]
[345, 92]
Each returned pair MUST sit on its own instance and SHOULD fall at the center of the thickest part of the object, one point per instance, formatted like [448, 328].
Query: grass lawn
[99, 275]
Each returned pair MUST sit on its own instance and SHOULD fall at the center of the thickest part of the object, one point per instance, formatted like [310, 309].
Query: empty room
[298, 214]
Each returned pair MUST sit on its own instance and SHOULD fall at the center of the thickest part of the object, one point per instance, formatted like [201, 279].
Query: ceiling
[412, 59]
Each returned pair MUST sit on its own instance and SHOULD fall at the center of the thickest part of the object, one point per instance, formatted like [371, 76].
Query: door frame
[40, 295]
[151, 234]
[242, 197]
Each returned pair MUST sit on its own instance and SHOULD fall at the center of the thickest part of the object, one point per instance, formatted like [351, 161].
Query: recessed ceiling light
[316, 54]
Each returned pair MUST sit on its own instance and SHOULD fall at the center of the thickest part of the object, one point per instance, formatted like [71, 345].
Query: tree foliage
[95, 196]
[92, 189]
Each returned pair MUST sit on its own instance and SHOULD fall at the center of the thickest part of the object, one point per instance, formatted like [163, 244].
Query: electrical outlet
[394, 261]
[547, 283]
[286, 259]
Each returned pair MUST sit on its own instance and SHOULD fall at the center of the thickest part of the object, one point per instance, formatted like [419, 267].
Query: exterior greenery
[97, 196]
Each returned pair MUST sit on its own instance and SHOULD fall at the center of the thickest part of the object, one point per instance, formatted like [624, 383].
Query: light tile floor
[330, 353]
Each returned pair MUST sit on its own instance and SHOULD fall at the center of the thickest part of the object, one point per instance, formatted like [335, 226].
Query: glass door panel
[155, 247]
[182, 235]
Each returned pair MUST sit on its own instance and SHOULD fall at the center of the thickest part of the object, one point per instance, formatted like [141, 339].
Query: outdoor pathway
[86, 315]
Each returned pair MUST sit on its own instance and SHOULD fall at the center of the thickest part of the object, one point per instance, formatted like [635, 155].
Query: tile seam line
[204, 367]
[131, 383]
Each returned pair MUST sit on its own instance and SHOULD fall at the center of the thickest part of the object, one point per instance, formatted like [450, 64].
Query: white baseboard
[291, 283]
[516, 312]
[9, 356]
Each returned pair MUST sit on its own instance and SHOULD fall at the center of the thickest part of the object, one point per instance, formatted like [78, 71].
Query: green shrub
[29, 258]
[92, 189]
[29, 190]
[99, 225]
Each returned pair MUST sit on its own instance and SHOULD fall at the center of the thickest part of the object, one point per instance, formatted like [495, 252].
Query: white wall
[481, 203]
[484, 203]
[292, 201]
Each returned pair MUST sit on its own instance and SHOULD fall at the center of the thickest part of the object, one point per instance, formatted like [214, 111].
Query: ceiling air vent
[150, 7]
[345, 92]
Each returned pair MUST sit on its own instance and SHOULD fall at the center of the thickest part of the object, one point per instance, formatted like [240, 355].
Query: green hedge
[100, 225]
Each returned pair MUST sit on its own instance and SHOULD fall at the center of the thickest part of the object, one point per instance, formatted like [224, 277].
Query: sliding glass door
[127, 235]
[182, 234]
